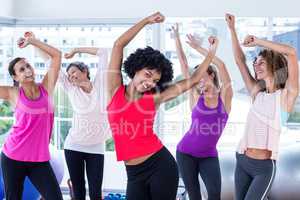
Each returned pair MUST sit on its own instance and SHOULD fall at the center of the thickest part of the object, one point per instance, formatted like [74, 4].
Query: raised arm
[100, 80]
[186, 84]
[180, 53]
[240, 59]
[102, 53]
[291, 90]
[183, 64]
[51, 76]
[88, 50]
[63, 78]
[114, 76]
[226, 88]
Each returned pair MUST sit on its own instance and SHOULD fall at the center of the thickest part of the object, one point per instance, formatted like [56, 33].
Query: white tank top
[263, 126]
[90, 127]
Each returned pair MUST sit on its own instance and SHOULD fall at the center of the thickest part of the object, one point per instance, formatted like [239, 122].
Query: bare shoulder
[194, 96]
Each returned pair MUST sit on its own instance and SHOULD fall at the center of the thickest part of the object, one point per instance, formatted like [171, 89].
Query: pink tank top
[30, 135]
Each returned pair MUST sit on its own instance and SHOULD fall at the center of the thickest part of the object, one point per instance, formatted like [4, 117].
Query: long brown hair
[278, 65]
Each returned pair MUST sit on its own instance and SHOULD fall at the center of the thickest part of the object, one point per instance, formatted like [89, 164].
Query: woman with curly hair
[273, 90]
[151, 169]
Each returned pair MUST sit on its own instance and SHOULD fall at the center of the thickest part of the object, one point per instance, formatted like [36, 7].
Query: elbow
[292, 51]
[57, 54]
[118, 44]
[228, 82]
[222, 65]
[293, 91]
[193, 80]
[227, 86]
[296, 91]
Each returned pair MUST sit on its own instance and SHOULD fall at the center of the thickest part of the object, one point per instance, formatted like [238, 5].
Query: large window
[6, 53]
[174, 116]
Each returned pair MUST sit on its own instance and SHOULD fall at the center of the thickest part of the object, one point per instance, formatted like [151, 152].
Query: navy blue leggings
[209, 169]
[253, 178]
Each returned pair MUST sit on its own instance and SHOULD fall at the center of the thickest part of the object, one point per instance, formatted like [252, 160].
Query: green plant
[5, 109]
[110, 145]
[5, 125]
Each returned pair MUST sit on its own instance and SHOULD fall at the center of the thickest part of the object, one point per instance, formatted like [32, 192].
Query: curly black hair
[151, 59]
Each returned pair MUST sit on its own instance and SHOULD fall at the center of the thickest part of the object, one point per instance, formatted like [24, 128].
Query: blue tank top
[206, 128]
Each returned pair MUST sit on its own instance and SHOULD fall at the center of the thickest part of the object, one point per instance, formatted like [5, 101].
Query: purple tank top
[206, 128]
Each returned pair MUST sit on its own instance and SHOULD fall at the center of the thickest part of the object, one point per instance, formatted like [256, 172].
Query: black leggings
[40, 174]
[209, 169]
[94, 163]
[154, 179]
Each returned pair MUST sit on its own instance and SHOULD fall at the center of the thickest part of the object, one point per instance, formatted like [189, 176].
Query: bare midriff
[260, 154]
[138, 160]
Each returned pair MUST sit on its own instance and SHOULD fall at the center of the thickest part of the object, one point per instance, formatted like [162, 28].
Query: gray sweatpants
[253, 178]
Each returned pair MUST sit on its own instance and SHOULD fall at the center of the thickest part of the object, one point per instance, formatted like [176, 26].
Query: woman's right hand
[25, 41]
[155, 18]
[250, 41]
[213, 45]
[193, 41]
[175, 30]
[230, 19]
[70, 54]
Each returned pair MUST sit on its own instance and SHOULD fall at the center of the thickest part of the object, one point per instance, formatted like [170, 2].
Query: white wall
[7, 8]
[114, 173]
[138, 8]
